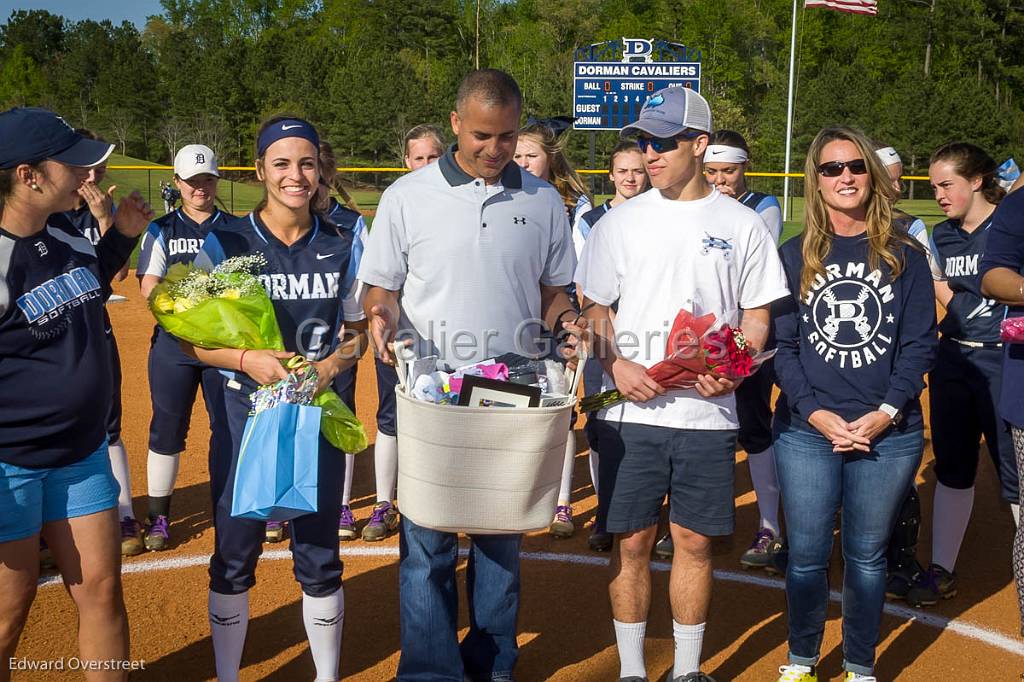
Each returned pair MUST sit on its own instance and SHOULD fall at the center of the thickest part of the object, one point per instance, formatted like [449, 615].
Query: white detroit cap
[195, 159]
[888, 156]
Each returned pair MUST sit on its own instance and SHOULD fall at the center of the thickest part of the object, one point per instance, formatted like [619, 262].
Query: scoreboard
[609, 95]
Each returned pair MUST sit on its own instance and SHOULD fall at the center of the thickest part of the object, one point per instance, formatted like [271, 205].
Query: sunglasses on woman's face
[660, 145]
[833, 169]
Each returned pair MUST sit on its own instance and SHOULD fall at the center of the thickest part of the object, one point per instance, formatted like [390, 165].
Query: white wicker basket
[477, 469]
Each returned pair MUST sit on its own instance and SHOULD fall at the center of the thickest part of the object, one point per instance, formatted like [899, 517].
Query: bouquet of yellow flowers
[229, 308]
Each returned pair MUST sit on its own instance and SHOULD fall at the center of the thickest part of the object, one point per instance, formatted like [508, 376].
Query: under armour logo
[42, 248]
[200, 158]
[225, 620]
[519, 220]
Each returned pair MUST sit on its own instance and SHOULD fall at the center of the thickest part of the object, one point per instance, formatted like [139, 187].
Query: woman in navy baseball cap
[55, 384]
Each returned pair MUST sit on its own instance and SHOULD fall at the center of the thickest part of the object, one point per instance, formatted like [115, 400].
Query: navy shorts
[173, 380]
[238, 542]
[754, 409]
[963, 393]
[640, 464]
[387, 379]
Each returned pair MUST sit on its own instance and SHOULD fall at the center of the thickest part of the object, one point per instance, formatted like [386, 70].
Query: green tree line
[920, 73]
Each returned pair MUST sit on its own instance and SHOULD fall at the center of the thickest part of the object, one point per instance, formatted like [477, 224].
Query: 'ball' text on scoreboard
[609, 95]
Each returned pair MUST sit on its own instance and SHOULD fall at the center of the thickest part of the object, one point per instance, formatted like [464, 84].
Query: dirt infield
[565, 621]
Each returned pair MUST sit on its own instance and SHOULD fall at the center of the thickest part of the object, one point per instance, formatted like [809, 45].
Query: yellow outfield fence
[389, 169]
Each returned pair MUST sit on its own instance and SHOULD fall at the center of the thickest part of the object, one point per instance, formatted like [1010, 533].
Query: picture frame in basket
[482, 392]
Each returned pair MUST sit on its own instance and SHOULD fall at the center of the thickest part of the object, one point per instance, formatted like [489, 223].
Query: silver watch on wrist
[895, 416]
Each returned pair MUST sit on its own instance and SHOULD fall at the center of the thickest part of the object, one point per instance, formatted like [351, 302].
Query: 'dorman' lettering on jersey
[304, 287]
[847, 307]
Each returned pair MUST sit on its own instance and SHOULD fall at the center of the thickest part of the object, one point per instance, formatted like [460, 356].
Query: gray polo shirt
[469, 259]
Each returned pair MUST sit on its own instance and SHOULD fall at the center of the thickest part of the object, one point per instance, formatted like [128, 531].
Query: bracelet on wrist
[241, 359]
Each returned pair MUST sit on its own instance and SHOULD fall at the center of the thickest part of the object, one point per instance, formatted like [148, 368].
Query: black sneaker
[899, 582]
[934, 585]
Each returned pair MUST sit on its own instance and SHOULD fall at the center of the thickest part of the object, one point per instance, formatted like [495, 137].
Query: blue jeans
[429, 603]
[869, 487]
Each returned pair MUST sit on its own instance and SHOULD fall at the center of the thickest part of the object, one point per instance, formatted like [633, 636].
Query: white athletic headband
[721, 153]
[889, 156]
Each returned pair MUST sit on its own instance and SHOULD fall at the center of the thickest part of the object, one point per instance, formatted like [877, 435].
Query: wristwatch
[895, 416]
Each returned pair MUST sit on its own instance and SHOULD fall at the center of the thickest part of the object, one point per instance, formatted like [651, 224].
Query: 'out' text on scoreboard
[609, 95]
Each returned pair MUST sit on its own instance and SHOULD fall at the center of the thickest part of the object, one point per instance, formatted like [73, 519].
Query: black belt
[975, 344]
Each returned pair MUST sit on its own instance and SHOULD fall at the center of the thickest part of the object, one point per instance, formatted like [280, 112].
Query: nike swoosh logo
[321, 256]
[718, 152]
[284, 127]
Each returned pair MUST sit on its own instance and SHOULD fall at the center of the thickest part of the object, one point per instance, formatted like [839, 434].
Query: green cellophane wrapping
[339, 426]
[246, 322]
[249, 322]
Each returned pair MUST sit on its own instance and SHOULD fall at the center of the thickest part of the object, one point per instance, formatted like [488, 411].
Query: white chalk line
[955, 625]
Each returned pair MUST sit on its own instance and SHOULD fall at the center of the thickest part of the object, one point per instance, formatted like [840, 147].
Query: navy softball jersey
[856, 340]
[80, 219]
[174, 238]
[303, 280]
[55, 366]
[956, 255]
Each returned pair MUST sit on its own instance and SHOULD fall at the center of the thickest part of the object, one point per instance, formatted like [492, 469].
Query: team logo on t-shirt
[46, 306]
[848, 324]
[717, 244]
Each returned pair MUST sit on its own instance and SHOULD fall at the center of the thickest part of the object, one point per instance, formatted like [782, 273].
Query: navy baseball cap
[31, 134]
[670, 111]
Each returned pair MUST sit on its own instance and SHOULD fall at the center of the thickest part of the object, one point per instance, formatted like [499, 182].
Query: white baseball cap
[195, 159]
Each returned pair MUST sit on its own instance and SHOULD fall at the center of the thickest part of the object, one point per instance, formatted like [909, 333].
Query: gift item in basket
[1011, 330]
[483, 392]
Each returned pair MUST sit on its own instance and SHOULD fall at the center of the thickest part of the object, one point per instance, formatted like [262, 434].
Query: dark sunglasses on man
[833, 169]
[660, 145]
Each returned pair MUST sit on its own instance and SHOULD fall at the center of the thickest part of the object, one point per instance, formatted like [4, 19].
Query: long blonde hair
[884, 238]
[563, 175]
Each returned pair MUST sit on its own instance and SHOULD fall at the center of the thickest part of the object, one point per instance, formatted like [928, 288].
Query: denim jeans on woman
[868, 487]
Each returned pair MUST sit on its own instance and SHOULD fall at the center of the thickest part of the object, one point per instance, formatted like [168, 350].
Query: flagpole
[789, 116]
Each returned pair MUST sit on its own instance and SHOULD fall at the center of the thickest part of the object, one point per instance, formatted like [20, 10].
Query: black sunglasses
[666, 144]
[833, 169]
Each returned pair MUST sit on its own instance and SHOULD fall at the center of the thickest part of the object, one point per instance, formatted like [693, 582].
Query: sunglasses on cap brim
[833, 169]
[666, 144]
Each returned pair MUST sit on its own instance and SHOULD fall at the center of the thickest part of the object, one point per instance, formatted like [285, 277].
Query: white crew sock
[229, 621]
[161, 473]
[119, 464]
[629, 639]
[346, 489]
[595, 464]
[385, 466]
[766, 487]
[1015, 510]
[688, 641]
[565, 490]
[324, 618]
[950, 516]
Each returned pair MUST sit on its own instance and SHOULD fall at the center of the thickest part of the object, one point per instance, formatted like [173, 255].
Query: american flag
[852, 6]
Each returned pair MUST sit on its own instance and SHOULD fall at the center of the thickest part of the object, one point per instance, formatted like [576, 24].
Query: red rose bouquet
[696, 345]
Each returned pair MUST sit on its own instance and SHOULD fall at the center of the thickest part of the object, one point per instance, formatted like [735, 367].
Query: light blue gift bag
[276, 476]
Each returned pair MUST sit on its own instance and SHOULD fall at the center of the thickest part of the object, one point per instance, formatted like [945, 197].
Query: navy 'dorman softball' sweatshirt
[55, 374]
[857, 339]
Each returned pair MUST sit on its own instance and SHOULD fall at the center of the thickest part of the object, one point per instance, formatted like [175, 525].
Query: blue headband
[289, 127]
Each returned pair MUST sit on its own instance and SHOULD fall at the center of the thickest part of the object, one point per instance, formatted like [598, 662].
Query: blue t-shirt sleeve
[358, 246]
[918, 340]
[1005, 246]
[771, 213]
[152, 253]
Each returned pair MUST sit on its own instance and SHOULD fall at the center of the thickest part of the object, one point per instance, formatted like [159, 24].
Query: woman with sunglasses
[307, 262]
[854, 343]
[56, 386]
[541, 152]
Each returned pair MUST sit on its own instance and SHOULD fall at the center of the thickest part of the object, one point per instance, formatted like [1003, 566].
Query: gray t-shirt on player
[469, 259]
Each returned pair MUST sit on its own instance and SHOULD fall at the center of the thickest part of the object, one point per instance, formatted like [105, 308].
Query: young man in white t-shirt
[682, 244]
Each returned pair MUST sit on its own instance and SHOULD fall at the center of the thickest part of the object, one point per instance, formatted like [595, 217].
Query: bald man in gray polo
[465, 258]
